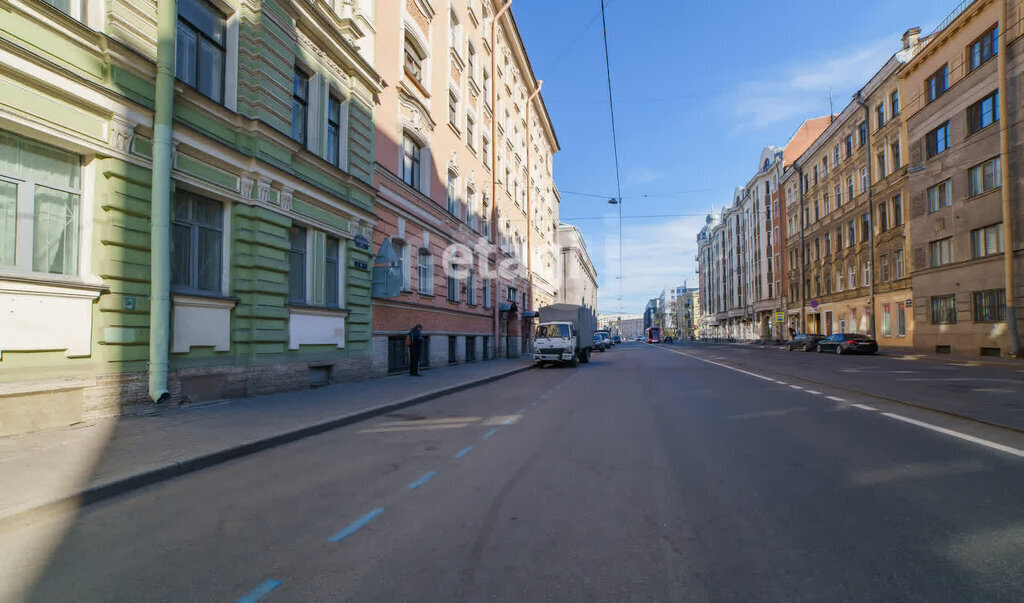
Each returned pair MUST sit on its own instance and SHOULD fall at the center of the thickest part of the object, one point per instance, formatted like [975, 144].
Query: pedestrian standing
[414, 341]
[792, 332]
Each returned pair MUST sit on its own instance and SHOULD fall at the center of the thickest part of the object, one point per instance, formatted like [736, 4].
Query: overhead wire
[615, 145]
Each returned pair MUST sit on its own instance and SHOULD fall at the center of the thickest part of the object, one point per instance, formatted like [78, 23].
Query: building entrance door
[828, 323]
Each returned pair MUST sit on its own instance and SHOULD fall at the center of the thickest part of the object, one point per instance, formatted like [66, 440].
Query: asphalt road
[646, 475]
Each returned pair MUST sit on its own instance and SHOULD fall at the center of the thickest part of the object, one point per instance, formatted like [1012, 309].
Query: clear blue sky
[700, 89]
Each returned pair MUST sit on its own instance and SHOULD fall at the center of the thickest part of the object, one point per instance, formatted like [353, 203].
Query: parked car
[807, 342]
[606, 338]
[617, 340]
[848, 343]
[599, 344]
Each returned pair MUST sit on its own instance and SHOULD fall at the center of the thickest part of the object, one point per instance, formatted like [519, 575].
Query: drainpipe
[160, 233]
[494, 170]
[1004, 168]
[529, 189]
[871, 218]
[803, 254]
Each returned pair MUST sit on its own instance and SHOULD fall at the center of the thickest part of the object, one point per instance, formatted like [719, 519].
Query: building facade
[270, 190]
[578, 276]
[958, 111]
[834, 241]
[466, 201]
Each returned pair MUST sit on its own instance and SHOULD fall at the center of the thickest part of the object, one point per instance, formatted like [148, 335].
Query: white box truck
[565, 334]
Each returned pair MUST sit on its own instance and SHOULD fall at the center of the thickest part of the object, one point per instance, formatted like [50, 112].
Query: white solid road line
[864, 407]
[957, 434]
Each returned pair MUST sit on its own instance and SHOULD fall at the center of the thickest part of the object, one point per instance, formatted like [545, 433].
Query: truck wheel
[574, 361]
[585, 356]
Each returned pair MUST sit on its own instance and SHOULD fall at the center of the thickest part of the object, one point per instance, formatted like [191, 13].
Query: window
[471, 289]
[472, 213]
[453, 283]
[487, 296]
[828, 244]
[883, 217]
[485, 151]
[897, 260]
[300, 105]
[853, 276]
[334, 130]
[817, 249]
[487, 87]
[849, 145]
[940, 252]
[894, 103]
[40, 198]
[983, 178]
[865, 227]
[883, 261]
[411, 162]
[866, 269]
[987, 241]
[199, 48]
[453, 109]
[452, 195]
[413, 60]
[895, 149]
[886, 320]
[839, 279]
[826, 203]
[839, 239]
[864, 184]
[815, 174]
[937, 140]
[853, 232]
[935, 85]
[940, 196]
[297, 264]
[849, 186]
[485, 217]
[897, 211]
[455, 36]
[881, 165]
[817, 210]
[72, 8]
[470, 132]
[983, 113]
[989, 306]
[197, 244]
[863, 133]
[879, 116]
[943, 309]
[471, 61]
[332, 272]
[425, 272]
[984, 48]
[470, 348]
[453, 346]
[835, 155]
[901, 319]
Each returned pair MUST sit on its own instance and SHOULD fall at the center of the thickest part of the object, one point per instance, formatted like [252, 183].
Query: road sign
[814, 304]
[780, 317]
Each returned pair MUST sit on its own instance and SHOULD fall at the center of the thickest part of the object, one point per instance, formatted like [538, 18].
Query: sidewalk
[85, 463]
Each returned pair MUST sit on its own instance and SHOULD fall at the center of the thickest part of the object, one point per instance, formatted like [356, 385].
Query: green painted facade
[244, 158]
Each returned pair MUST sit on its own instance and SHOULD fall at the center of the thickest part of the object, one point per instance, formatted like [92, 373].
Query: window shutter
[920, 261]
[917, 152]
[917, 204]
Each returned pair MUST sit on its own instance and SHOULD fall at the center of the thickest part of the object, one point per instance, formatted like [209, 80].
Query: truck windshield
[552, 331]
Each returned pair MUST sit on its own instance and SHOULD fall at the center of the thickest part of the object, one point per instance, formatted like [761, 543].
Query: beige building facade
[958, 112]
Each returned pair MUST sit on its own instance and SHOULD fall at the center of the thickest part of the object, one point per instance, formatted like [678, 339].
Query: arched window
[472, 214]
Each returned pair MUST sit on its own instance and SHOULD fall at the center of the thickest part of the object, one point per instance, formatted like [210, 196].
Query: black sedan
[807, 342]
[848, 343]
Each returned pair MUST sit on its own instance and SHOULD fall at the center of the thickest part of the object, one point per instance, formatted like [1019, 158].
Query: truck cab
[555, 342]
